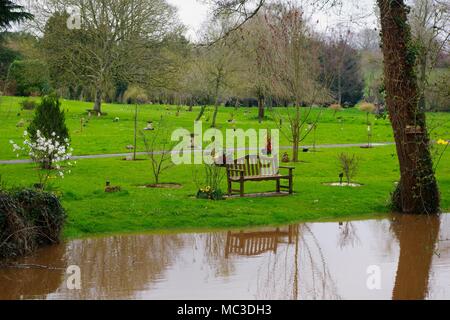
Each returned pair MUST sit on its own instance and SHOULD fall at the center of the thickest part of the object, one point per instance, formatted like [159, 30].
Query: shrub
[28, 219]
[336, 107]
[49, 120]
[28, 104]
[135, 95]
[367, 107]
[31, 77]
[349, 165]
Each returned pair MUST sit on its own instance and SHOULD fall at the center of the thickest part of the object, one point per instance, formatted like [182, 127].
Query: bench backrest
[253, 166]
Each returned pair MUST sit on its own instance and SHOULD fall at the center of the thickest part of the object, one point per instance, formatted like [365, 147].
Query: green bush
[49, 119]
[28, 104]
[30, 76]
[28, 219]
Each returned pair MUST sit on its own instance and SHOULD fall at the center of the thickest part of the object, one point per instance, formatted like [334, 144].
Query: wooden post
[242, 184]
[291, 180]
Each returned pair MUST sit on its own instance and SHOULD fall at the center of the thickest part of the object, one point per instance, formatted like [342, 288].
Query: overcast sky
[355, 13]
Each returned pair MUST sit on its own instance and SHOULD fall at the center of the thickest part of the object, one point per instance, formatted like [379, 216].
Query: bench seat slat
[256, 178]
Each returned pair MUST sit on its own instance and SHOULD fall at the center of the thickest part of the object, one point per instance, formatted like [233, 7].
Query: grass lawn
[92, 211]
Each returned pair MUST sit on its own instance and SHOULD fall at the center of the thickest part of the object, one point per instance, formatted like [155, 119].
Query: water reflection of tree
[417, 236]
[214, 254]
[348, 235]
[119, 267]
[296, 271]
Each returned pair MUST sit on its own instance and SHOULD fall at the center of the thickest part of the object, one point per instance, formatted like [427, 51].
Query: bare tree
[255, 40]
[158, 147]
[368, 40]
[218, 65]
[294, 65]
[349, 165]
[430, 23]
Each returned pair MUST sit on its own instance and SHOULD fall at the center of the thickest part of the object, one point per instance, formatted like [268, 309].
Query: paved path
[124, 155]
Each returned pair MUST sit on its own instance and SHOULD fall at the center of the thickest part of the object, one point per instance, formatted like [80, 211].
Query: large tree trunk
[98, 101]
[417, 191]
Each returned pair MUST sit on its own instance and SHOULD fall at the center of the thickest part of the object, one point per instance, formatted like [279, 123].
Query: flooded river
[401, 257]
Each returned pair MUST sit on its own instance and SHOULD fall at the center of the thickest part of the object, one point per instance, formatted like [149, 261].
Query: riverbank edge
[193, 229]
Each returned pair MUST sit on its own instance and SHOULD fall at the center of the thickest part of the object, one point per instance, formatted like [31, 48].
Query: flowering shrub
[48, 153]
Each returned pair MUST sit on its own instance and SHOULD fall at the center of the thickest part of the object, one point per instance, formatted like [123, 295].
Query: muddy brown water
[401, 257]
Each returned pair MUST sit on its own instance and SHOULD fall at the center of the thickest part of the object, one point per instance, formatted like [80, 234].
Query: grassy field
[134, 209]
[103, 135]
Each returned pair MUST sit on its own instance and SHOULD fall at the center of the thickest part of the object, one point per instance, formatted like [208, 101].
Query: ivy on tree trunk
[417, 191]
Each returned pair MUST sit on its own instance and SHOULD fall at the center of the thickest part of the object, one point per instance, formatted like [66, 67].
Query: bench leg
[291, 184]
[230, 188]
[278, 186]
[242, 189]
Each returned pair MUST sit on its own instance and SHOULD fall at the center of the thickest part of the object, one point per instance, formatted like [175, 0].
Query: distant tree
[368, 40]
[342, 64]
[430, 24]
[372, 69]
[59, 47]
[218, 66]
[253, 45]
[30, 76]
[7, 57]
[118, 41]
[438, 94]
[10, 13]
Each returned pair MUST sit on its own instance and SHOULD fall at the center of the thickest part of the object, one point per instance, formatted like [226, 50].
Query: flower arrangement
[49, 154]
[208, 193]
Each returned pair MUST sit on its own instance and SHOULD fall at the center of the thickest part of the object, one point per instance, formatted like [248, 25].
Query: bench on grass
[257, 168]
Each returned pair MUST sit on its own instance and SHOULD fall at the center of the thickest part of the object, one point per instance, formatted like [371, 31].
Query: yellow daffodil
[443, 142]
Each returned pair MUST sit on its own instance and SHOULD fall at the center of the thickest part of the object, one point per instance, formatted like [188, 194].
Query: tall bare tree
[295, 72]
[255, 40]
[218, 65]
[430, 23]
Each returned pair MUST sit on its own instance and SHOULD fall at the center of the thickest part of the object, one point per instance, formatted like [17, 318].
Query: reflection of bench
[256, 168]
[257, 243]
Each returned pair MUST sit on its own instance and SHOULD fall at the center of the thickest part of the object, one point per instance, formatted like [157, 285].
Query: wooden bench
[256, 168]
